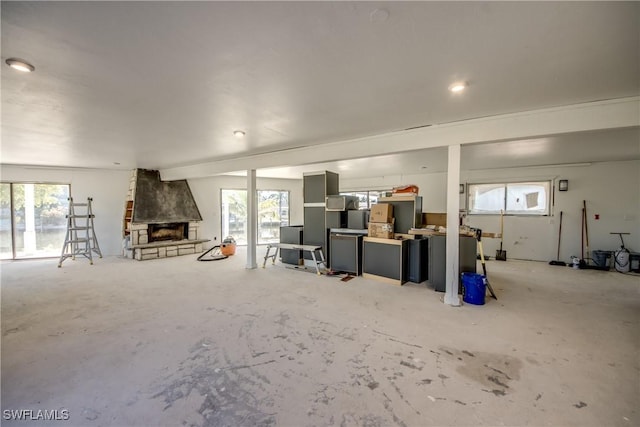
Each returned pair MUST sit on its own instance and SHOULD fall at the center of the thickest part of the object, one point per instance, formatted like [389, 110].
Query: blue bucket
[474, 288]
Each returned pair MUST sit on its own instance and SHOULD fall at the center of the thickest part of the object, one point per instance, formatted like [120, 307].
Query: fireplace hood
[157, 201]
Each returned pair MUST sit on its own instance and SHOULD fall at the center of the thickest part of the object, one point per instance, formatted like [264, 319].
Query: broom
[500, 254]
[557, 261]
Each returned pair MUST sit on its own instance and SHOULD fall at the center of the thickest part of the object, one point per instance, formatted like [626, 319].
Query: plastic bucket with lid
[474, 288]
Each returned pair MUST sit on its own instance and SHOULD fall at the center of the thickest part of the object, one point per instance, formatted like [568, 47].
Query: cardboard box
[381, 212]
[433, 218]
[382, 230]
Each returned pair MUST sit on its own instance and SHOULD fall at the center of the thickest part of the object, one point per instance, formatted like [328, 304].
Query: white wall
[206, 191]
[611, 190]
[108, 189]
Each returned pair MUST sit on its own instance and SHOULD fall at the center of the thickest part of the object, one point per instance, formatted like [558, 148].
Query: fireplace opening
[168, 231]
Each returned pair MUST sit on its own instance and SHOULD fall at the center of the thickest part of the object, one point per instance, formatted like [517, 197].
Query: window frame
[13, 222]
[546, 183]
[258, 240]
[369, 204]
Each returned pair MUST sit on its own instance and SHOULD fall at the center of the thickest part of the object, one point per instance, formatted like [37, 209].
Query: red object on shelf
[405, 189]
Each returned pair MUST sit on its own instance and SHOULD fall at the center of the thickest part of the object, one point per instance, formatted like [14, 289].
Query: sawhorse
[312, 249]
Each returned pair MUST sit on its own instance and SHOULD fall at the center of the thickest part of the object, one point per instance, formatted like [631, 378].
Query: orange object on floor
[228, 246]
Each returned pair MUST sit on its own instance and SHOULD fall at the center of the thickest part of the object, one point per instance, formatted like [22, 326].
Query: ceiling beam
[599, 115]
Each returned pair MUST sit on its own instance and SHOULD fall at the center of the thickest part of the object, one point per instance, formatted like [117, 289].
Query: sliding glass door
[33, 222]
[6, 238]
[234, 215]
[273, 212]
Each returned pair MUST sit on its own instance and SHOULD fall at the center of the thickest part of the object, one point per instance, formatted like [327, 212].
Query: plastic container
[600, 258]
[474, 288]
[622, 260]
[575, 262]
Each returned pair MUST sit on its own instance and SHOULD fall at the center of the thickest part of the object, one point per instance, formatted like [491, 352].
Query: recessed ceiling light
[20, 65]
[458, 87]
[238, 133]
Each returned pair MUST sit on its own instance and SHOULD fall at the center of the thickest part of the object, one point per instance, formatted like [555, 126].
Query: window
[6, 231]
[234, 215]
[365, 198]
[518, 198]
[32, 219]
[273, 212]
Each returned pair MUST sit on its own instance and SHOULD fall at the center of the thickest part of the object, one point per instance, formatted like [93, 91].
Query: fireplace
[168, 231]
[161, 218]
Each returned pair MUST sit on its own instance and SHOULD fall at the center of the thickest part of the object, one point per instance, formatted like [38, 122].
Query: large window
[32, 219]
[518, 198]
[273, 212]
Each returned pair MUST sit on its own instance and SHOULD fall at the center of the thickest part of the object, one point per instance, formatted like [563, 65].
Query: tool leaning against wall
[557, 260]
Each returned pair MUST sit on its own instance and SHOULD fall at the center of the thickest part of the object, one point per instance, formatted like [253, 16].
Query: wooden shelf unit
[128, 215]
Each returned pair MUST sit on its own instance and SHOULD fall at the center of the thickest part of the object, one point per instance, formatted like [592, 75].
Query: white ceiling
[164, 84]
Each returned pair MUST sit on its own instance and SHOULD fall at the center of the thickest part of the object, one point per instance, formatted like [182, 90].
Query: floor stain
[496, 372]
[282, 318]
[410, 365]
[580, 405]
[90, 414]
[495, 392]
[228, 395]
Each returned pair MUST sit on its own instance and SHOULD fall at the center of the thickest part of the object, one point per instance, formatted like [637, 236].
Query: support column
[453, 236]
[252, 219]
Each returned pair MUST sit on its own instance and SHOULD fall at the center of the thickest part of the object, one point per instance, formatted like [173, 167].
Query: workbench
[311, 249]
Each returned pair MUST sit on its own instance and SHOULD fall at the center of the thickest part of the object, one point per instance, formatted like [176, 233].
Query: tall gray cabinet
[437, 271]
[316, 187]
[407, 211]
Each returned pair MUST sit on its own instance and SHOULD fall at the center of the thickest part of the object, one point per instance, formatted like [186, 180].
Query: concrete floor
[178, 342]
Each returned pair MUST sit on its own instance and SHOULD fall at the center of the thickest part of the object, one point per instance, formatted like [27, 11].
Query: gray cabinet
[407, 211]
[291, 234]
[384, 259]
[316, 187]
[346, 253]
[438, 255]
[417, 262]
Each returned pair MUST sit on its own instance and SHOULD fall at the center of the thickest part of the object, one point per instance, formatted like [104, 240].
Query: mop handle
[559, 236]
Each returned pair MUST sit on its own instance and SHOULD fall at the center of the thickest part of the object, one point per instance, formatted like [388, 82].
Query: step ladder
[81, 238]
